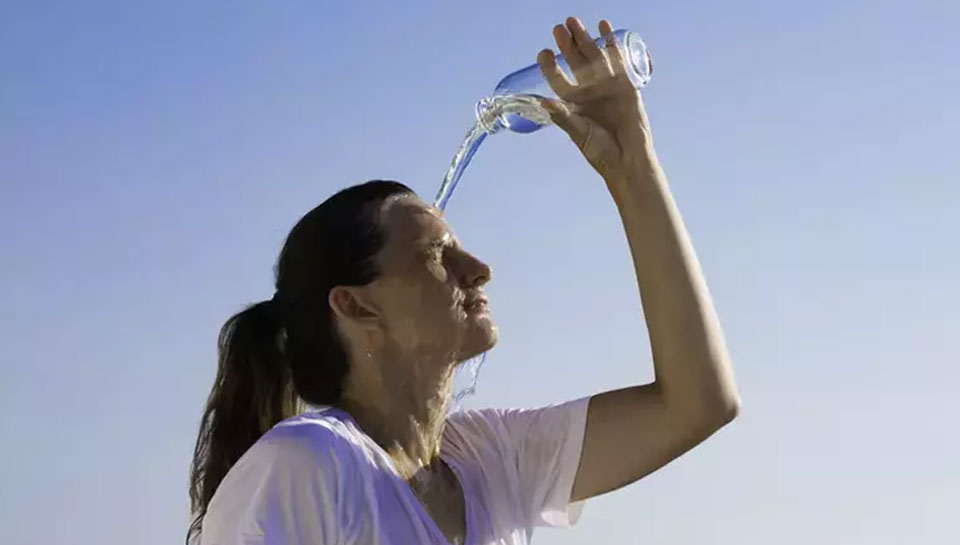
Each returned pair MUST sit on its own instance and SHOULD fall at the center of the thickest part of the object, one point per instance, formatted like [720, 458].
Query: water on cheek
[408, 319]
[427, 319]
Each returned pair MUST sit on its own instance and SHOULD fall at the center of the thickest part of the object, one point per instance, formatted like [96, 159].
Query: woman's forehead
[409, 219]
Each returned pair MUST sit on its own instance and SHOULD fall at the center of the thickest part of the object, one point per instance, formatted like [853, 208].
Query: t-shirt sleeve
[284, 491]
[543, 445]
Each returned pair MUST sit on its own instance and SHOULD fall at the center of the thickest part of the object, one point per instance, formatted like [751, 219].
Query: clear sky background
[153, 155]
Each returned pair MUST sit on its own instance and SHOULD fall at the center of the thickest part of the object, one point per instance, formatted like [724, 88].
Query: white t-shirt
[317, 479]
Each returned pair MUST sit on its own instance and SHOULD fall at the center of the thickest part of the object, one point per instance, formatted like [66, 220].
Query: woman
[376, 304]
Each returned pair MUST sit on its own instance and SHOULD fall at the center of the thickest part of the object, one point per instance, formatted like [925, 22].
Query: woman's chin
[481, 338]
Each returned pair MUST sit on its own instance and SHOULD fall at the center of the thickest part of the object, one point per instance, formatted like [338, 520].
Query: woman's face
[429, 296]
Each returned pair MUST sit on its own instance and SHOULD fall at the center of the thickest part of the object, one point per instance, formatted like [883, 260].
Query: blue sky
[153, 156]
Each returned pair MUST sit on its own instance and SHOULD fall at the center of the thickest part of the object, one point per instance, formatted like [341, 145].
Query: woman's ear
[351, 305]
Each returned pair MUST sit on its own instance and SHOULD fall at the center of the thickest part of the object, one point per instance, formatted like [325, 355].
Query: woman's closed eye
[436, 251]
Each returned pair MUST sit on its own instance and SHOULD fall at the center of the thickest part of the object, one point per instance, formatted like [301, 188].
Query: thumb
[577, 127]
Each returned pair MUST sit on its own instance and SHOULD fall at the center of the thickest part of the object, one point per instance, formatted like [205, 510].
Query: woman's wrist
[639, 176]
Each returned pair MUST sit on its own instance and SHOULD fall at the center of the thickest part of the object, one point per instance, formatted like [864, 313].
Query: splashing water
[468, 371]
[520, 113]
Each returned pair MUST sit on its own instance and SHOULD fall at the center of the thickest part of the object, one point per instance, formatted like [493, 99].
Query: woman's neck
[405, 415]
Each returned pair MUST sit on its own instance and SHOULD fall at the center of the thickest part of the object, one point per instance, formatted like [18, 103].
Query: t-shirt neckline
[469, 537]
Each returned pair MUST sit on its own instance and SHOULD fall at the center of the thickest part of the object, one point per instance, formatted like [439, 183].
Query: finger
[558, 81]
[584, 43]
[568, 49]
[576, 126]
[613, 52]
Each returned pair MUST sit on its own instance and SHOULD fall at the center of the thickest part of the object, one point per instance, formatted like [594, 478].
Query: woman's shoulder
[476, 433]
[318, 436]
[324, 423]
[508, 428]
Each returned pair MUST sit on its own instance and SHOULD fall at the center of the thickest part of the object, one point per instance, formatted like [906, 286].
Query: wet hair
[279, 354]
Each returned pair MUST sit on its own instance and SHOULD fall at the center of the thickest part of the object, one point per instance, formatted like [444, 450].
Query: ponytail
[253, 391]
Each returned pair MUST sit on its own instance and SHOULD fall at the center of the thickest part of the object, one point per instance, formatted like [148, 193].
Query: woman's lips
[479, 304]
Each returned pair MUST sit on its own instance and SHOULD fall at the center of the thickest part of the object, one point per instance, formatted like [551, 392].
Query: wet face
[429, 297]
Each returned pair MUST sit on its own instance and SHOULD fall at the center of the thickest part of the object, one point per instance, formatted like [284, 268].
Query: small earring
[366, 352]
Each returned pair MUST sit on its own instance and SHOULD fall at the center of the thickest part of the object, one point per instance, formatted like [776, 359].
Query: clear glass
[514, 105]
[494, 114]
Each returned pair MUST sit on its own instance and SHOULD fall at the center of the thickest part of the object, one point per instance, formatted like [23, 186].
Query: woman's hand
[602, 112]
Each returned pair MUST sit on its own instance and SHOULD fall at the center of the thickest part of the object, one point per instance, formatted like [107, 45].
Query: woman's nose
[476, 272]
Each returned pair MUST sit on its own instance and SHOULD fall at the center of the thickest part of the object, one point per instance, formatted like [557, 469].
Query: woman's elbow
[715, 412]
[723, 411]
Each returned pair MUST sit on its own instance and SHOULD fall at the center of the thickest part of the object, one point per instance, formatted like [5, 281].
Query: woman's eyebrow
[434, 240]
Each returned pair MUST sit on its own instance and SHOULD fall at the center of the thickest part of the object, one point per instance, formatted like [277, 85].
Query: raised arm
[633, 431]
